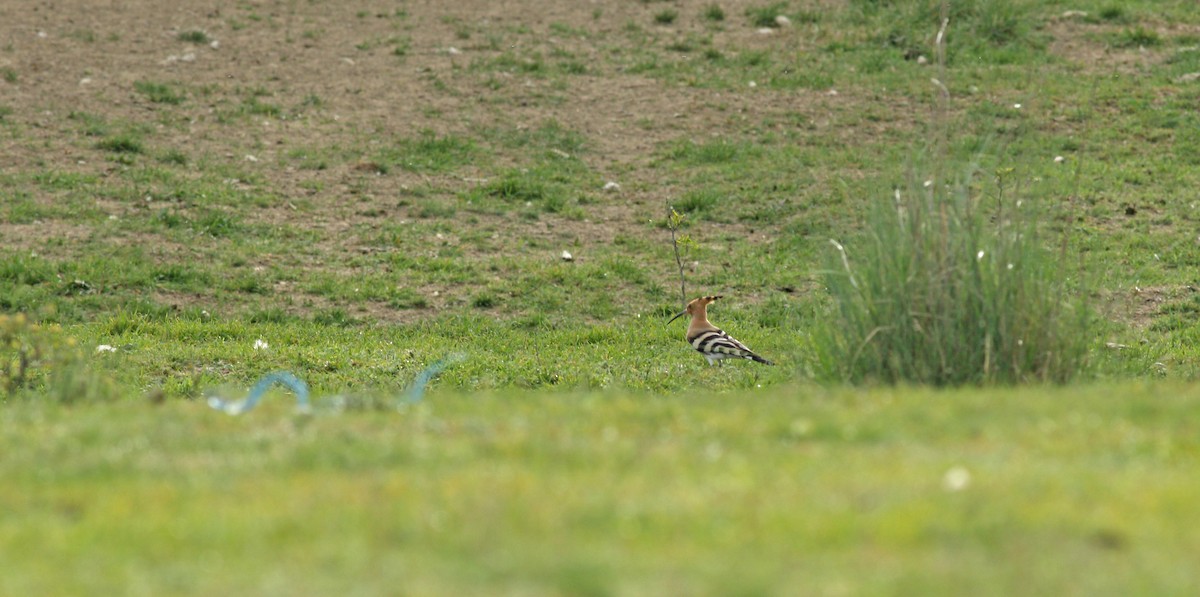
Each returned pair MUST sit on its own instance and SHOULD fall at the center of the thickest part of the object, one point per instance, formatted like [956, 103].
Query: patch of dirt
[1138, 306]
[1083, 44]
[265, 79]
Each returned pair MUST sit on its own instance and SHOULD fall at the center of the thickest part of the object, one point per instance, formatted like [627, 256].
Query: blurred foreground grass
[1087, 490]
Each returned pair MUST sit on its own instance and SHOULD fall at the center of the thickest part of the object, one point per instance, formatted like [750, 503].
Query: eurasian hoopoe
[709, 340]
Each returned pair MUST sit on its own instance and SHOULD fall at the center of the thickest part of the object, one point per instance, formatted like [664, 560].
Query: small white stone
[41, 34]
[1016, 106]
[214, 44]
[105, 348]
[566, 256]
[85, 80]
[956, 479]
[783, 21]
[753, 84]
[831, 92]
[922, 59]
[1074, 13]
[189, 57]
[766, 31]
[453, 51]
[250, 158]
[612, 187]
[928, 183]
[1058, 159]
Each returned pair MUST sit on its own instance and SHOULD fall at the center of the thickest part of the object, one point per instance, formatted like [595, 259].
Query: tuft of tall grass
[950, 286]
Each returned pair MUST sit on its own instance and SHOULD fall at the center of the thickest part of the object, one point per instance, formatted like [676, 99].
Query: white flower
[261, 344]
[956, 479]
[1016, 106]
[979, 256]
[105, 348]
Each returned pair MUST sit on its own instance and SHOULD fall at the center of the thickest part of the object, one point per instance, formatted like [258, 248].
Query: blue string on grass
[284, 378]
[416, 391]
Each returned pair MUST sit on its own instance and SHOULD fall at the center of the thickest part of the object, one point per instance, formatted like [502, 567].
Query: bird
[709, 340]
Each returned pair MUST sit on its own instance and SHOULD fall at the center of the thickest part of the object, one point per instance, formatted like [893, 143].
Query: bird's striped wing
[717, 342]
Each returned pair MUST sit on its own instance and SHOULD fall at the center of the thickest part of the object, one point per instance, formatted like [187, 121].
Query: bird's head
[696, 306]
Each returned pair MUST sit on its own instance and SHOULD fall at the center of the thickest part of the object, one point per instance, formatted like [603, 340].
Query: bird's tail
[758, 359]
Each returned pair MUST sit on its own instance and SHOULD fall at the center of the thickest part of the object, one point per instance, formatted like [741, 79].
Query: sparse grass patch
[335, 317]
[1138, 37]
[429, 152]
[1114, 13]
[159, 93]
[484, 300]
[194, 36]
[666, 16]
[254, 106]
[515, 186]
[532, 64]
[697, 201]
[93, 125]
[712, 152]
[125, 143]
[217, 224]
[764, 16]
[174, 156]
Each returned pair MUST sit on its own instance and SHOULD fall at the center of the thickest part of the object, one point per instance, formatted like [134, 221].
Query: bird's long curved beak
[677, 316]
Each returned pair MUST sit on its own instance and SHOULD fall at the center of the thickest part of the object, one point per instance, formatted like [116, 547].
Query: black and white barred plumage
[715, 345]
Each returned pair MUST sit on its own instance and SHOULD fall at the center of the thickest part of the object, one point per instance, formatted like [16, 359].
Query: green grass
[794, 488]
[194, 36]
[158, 93]
[764, 16]
[123, 143]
